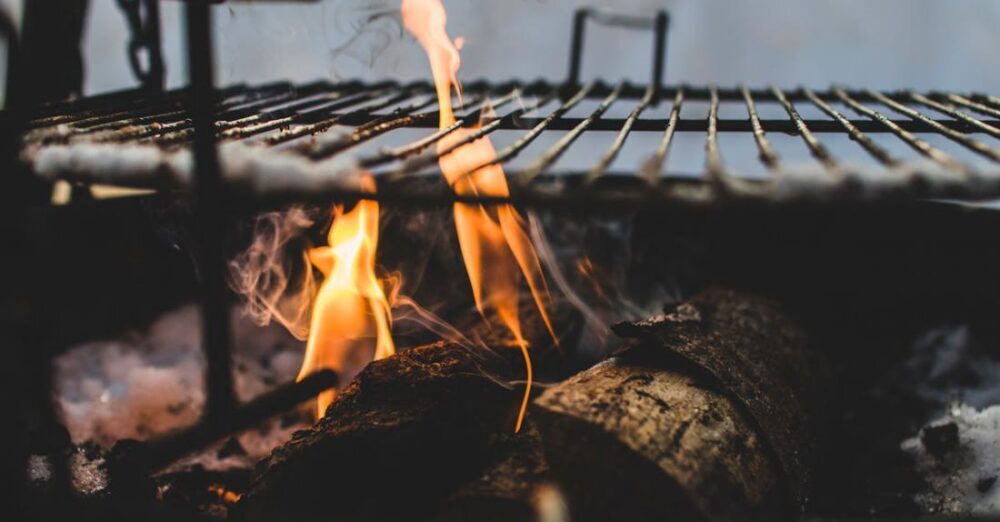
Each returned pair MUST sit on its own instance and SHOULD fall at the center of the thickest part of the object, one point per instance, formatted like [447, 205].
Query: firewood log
[405, 435]
[708, 416]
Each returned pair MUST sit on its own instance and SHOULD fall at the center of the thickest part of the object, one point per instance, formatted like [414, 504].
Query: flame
[350, 308]
[495, 247]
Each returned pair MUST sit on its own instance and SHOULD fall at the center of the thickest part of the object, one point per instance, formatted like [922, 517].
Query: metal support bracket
[658, 23]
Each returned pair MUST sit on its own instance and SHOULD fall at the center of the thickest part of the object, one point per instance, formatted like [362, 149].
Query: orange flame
[494, 244]
[351, 308]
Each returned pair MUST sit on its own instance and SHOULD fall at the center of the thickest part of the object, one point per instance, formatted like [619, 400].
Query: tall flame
[351, 309]
[495, 247]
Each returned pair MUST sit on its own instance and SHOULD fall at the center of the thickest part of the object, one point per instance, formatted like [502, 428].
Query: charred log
[708, 416]
[404, 436]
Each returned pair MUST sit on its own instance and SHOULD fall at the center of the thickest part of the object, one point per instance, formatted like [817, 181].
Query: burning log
[710, 415]
[405, 435]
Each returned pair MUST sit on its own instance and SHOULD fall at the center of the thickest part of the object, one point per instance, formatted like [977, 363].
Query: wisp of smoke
[275, 277]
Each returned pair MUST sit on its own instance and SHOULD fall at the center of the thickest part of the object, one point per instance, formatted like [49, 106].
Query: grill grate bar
[334, 117]
[652, 168]
[966, 102]
[766, 153]
[954, 113]
[877, 151]
[616, 146]
[942, 158]
[972, 144]
[556, 151]
[429, 160]
[715, 172]
[525, 140]
[399, 153]
[301, 112]
[816, 148]
[401, 117]
[163, 122]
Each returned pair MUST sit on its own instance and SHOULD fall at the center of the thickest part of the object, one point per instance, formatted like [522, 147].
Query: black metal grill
[306, 126]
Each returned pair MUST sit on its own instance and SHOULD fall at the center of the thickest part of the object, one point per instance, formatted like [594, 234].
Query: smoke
[373, 26]
[274, 273]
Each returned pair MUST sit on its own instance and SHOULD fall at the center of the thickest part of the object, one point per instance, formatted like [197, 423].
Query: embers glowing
[496, 249]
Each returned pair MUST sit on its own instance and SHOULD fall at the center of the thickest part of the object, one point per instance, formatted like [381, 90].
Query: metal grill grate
[305, 141]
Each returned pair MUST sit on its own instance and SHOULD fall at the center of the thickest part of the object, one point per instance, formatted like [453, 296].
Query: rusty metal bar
[715, 172]
[525, 140]
[951, 111]
[616, 146]
[974, 145]
[877, 151]
[767, 155]
[652, 167]
[942, 158]
[410, 149]
[966, 102]
[426, 161]
[556, 151]
[815, 147]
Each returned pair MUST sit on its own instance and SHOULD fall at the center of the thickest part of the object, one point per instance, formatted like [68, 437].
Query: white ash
[87, 473]
[39, 468]
[962, 481]
[147, 383]
[949, 372]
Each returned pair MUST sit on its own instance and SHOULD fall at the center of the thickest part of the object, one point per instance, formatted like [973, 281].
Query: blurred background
[921, 44]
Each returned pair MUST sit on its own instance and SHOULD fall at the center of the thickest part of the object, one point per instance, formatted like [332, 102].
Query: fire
[495, 247]
[350, 309]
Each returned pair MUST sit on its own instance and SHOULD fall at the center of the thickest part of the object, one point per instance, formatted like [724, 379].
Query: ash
[149, 382]
[959, 458]
[958, 453]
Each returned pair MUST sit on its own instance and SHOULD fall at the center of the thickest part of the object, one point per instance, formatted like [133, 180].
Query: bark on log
[708, 416]
[405, 435]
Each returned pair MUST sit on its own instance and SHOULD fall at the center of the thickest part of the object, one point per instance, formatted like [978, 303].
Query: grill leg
[209, 215]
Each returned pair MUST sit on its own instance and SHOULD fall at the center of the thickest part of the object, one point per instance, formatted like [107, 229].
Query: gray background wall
[878, 43]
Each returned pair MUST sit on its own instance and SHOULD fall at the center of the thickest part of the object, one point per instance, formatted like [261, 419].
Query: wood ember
[405, 435]
[707, 416]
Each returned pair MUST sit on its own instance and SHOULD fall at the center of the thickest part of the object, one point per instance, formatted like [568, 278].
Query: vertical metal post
[209, 213]
[576, 49]
[658, 23]
[154, 41]
[660, 54]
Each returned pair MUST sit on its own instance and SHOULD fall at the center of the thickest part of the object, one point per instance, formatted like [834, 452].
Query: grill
[303, 142]
[276, 142]
[253, 146]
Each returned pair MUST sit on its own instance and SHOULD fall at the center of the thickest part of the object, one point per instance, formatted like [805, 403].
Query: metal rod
[401, 117]
[652, 168]
[525, 140]
[815, 147]
[324, 124]
[428, 160]
[556, 151]
[974, 145]
[921, 146]
[159, 453]
[766, 153]
[852, 130]
[410, 149]
[966, 102]
[951, 111]
[209, 215]
[715, 172]
[616, 146]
